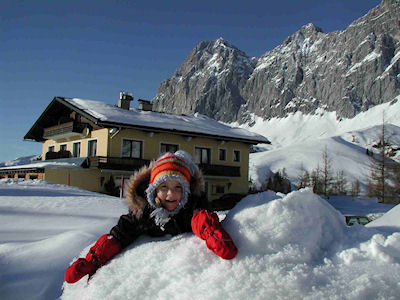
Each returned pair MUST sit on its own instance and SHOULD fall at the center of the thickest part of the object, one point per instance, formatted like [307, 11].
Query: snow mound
[290, 246]
[390, 219]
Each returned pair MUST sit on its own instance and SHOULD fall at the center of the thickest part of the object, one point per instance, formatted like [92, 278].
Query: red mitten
[105, 248]
[206, 226]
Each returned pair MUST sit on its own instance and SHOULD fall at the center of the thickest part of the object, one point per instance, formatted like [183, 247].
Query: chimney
[124, 100]
[145, 105]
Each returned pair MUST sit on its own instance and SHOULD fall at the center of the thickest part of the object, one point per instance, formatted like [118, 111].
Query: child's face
[170, 194]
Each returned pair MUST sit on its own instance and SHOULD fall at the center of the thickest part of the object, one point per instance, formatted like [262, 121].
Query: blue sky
[95, 49]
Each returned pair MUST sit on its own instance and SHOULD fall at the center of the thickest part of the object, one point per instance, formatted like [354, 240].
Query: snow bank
[43, 226]
[390, 219]
[290, 246]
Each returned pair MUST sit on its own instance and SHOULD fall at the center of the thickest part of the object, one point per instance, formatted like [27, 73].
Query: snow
[186, 123]
[370, 57]
[43, 226]
[290, 246]
[65, 163]
[359, 206]
[20, 161]
[304, 156]
[390, 219]
[306, 137]
[393, 63]
[298, 127]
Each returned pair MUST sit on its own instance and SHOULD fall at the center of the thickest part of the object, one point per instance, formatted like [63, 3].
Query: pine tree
[304, 180]
[340, 183]
[326, 173]
[316, 181]
[277, 182]
[382, 172]
[396, 171]
[355, 188]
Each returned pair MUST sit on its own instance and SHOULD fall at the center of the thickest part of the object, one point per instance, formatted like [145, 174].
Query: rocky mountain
[344, 71]
[210, 81]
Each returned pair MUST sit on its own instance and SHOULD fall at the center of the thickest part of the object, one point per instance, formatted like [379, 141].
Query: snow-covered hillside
[298, 141]
[20, 161]
[290, 246]
[298, 127]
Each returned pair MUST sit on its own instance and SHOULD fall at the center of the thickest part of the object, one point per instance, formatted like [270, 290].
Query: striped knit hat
[175, 166]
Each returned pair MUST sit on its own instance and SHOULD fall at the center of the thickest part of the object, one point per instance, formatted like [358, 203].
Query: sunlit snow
[293, 246]
[289, 246]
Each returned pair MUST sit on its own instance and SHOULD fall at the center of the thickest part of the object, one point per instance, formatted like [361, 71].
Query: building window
[222, 154]
[51, 149]
[132, 148]
[63, 147]
[220, 189]
[236, 155]
[202, 155]
[92, 148]
[168, 148]
[76, 149]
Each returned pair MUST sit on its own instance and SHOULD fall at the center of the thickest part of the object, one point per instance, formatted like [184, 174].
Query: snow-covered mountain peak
[344, 71]
[220, 42]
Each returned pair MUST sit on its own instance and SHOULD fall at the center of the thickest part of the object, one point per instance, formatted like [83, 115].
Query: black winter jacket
[129, 227]
[138, 221]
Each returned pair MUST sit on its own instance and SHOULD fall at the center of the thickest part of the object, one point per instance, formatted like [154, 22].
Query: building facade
[98, 146]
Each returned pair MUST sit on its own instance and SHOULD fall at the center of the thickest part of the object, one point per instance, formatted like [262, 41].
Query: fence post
[121, 190]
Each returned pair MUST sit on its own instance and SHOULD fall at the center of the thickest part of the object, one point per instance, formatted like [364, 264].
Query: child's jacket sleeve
[127, 230]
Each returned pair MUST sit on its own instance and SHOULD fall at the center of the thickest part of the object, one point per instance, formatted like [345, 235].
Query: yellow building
[96, 146]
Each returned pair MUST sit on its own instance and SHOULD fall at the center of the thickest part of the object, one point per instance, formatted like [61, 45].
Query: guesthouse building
[98, 146]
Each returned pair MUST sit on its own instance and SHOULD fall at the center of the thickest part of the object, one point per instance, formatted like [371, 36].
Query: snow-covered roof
[107, 114]
[65, 163]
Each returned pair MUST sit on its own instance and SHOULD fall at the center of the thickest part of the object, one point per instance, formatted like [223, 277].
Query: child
[165, 198]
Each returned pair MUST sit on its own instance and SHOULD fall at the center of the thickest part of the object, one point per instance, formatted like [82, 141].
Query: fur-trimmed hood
[139, 181]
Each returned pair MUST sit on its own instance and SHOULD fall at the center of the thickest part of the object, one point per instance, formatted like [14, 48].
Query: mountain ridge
[344, 71]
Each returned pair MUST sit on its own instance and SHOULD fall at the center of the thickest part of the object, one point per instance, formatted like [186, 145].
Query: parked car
[362, 220]
[227, 201]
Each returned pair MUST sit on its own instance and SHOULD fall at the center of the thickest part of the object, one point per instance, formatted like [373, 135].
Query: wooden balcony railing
[58, 155]
[117, 163]
[220, 170]
[65, 129]
[130, 164]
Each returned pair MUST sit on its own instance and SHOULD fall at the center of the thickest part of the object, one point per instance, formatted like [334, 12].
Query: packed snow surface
[290, 246]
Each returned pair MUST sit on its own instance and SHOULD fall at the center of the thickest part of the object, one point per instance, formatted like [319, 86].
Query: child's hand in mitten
[206, 225]
[105, 248]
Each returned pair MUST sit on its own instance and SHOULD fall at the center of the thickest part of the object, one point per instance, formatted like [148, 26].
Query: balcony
[66, 131]
[220, 170]
[57, 155]
[117, 163]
